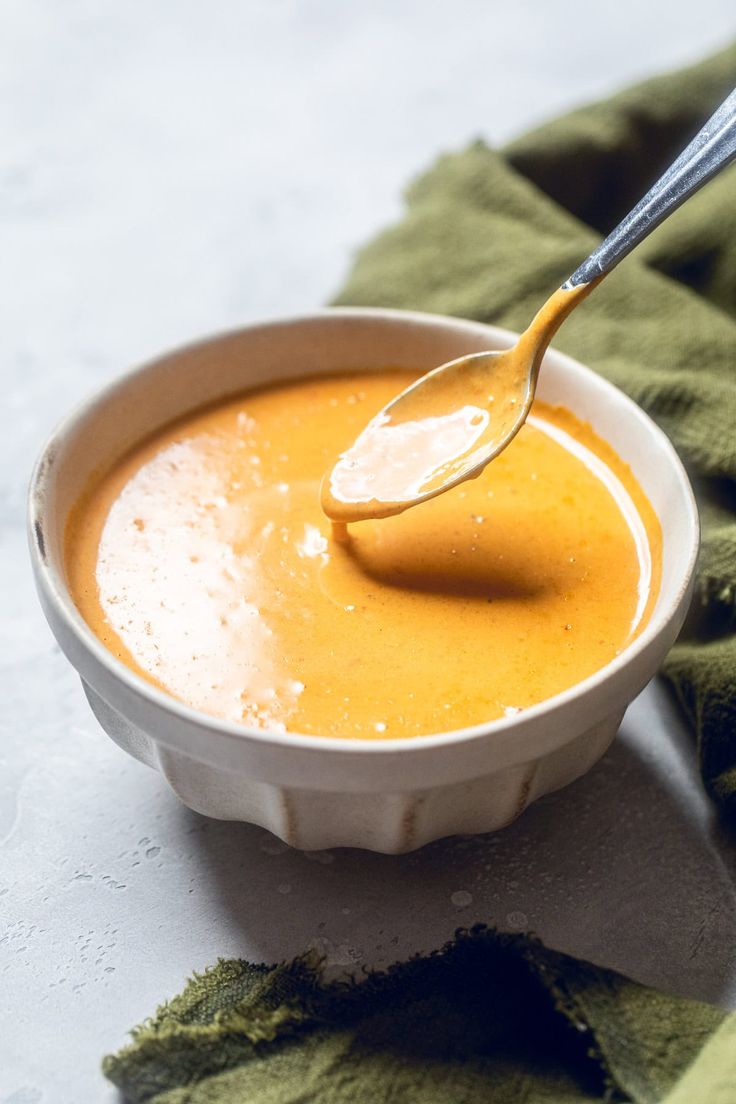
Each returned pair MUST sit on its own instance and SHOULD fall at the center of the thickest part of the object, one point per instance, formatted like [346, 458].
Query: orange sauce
[203, 561]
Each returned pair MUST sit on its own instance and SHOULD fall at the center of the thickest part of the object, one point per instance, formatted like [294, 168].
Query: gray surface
[166, 176]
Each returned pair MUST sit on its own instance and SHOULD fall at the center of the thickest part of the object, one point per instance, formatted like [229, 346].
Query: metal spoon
[448, 425]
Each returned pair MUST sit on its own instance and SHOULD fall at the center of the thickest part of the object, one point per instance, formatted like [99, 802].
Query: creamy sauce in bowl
[203, 560]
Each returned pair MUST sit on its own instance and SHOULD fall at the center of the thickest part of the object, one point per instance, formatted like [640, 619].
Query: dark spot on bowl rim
[40, 539]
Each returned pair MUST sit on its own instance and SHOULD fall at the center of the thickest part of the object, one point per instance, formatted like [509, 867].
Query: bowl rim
[52, 586]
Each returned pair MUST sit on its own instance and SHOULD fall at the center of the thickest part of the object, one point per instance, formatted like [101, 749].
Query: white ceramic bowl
[316, 792]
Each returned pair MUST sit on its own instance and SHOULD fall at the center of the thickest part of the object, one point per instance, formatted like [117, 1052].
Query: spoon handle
[711, 150]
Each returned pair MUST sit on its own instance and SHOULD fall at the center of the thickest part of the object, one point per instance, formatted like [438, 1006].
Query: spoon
[447, 426]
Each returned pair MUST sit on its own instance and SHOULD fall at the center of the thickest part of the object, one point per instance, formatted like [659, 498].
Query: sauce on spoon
[445, 428]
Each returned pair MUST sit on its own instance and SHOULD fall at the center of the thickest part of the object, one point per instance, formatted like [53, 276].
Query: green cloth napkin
[489, 235]
[491, 1019]
[497, 1018]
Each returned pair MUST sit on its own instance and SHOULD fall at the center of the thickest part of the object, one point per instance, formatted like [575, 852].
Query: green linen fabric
[490, 1019]
[499, 1018]
[489, 235]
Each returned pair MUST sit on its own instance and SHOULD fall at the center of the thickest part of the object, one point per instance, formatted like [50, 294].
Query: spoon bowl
[437, 433]
[446, 427]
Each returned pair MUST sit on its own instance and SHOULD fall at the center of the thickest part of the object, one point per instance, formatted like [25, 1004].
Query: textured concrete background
[167, 170]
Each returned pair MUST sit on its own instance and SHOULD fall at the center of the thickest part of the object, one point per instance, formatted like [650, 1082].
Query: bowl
[315, 792]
